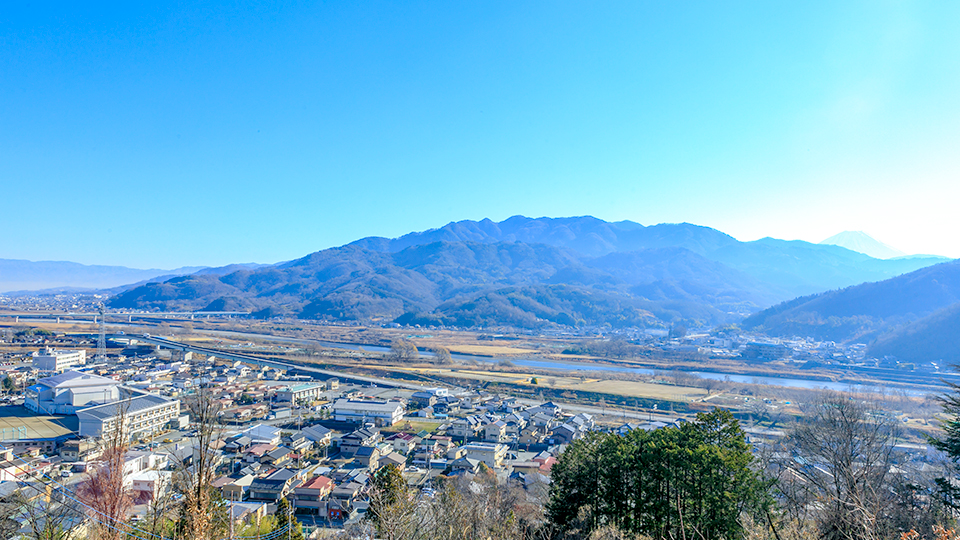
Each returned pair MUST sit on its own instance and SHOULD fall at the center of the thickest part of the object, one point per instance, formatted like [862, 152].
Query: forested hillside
[530, 273]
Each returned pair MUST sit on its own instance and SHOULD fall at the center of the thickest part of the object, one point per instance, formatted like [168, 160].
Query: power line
[71, 495]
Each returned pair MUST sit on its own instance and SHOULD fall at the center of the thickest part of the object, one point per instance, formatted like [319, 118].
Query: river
[587, 366]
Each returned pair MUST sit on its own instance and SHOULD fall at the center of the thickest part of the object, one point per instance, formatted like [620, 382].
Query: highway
[176, 345]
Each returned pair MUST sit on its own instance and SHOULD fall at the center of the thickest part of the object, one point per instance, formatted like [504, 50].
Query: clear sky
[203, 134]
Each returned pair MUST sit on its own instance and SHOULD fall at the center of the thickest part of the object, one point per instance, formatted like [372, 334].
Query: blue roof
[301, 387]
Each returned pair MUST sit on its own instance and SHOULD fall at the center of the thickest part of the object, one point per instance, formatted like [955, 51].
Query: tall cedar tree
[691, 481]
[949, 443]
[284, 517]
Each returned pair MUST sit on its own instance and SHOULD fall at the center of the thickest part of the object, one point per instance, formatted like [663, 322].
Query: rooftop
[367, 405]
[319, 482]
[74, 379]
[302, 387]
[127, 406]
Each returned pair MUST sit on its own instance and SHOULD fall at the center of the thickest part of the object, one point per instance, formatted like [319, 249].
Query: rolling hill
[930, 339]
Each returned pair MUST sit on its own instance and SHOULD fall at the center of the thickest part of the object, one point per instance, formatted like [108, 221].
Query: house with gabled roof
[495, 432]
[402, 442]
[274, 485]
[276, 457]
[310, 496]
[318, 434]
[368, 456]
[350, 442]
[263, 434]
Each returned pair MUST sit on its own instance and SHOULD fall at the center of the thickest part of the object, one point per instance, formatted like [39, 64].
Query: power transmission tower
[102, 338]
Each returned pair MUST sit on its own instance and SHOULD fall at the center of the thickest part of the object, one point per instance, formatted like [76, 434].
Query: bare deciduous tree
[47, 518]
[403, 350]
[441, 355]
[201, 510]
[459, 511]
[104, 491]
[839, 468]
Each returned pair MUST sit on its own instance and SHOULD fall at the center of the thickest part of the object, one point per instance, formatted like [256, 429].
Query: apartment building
[142, 415]
[300, 393]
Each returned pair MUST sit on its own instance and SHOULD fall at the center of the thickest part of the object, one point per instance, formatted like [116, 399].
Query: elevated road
[266, 362]
[51, 314]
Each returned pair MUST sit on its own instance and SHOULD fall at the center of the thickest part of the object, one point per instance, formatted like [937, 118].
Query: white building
[491, 454]
[381, 413]
[300, 393]
[57, 361]
[142, 415]
[149, 485]
[263, 434]
[70, 391]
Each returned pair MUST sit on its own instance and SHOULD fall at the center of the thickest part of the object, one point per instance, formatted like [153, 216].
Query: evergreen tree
[949, 443]
[691, 481]
[284, 518]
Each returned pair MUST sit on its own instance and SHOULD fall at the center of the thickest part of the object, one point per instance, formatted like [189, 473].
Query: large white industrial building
[382, 413]
[100, 403]
[67, 392]
[57, 361]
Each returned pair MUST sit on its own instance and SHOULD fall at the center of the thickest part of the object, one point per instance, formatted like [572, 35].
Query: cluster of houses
[327, 474]
[321, 451]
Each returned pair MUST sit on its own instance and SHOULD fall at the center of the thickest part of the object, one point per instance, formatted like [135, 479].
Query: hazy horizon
[201, 264]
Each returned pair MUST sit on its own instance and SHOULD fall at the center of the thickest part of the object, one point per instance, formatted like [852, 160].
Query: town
[313, 442]
[293, 438]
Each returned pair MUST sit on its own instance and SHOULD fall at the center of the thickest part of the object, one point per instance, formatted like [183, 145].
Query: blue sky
[206, 134]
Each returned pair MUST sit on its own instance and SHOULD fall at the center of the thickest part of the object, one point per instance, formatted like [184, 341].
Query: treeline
[618, 348]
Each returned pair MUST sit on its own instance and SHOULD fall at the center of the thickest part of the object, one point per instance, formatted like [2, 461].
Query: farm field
[665, 392]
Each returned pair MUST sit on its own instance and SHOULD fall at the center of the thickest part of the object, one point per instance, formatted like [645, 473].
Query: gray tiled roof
[134, 404]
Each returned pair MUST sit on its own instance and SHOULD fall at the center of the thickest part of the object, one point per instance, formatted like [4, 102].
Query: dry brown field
[619, 387]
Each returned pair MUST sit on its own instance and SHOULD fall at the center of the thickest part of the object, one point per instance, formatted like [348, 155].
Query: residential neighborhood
[315, 443]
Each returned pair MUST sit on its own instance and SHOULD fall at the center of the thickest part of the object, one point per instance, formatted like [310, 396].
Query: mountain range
[20, 277]
[532, 272]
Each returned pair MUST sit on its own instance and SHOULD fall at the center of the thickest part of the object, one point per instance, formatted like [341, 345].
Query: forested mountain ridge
[531, 272]
[866, 311]
[586, 235]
